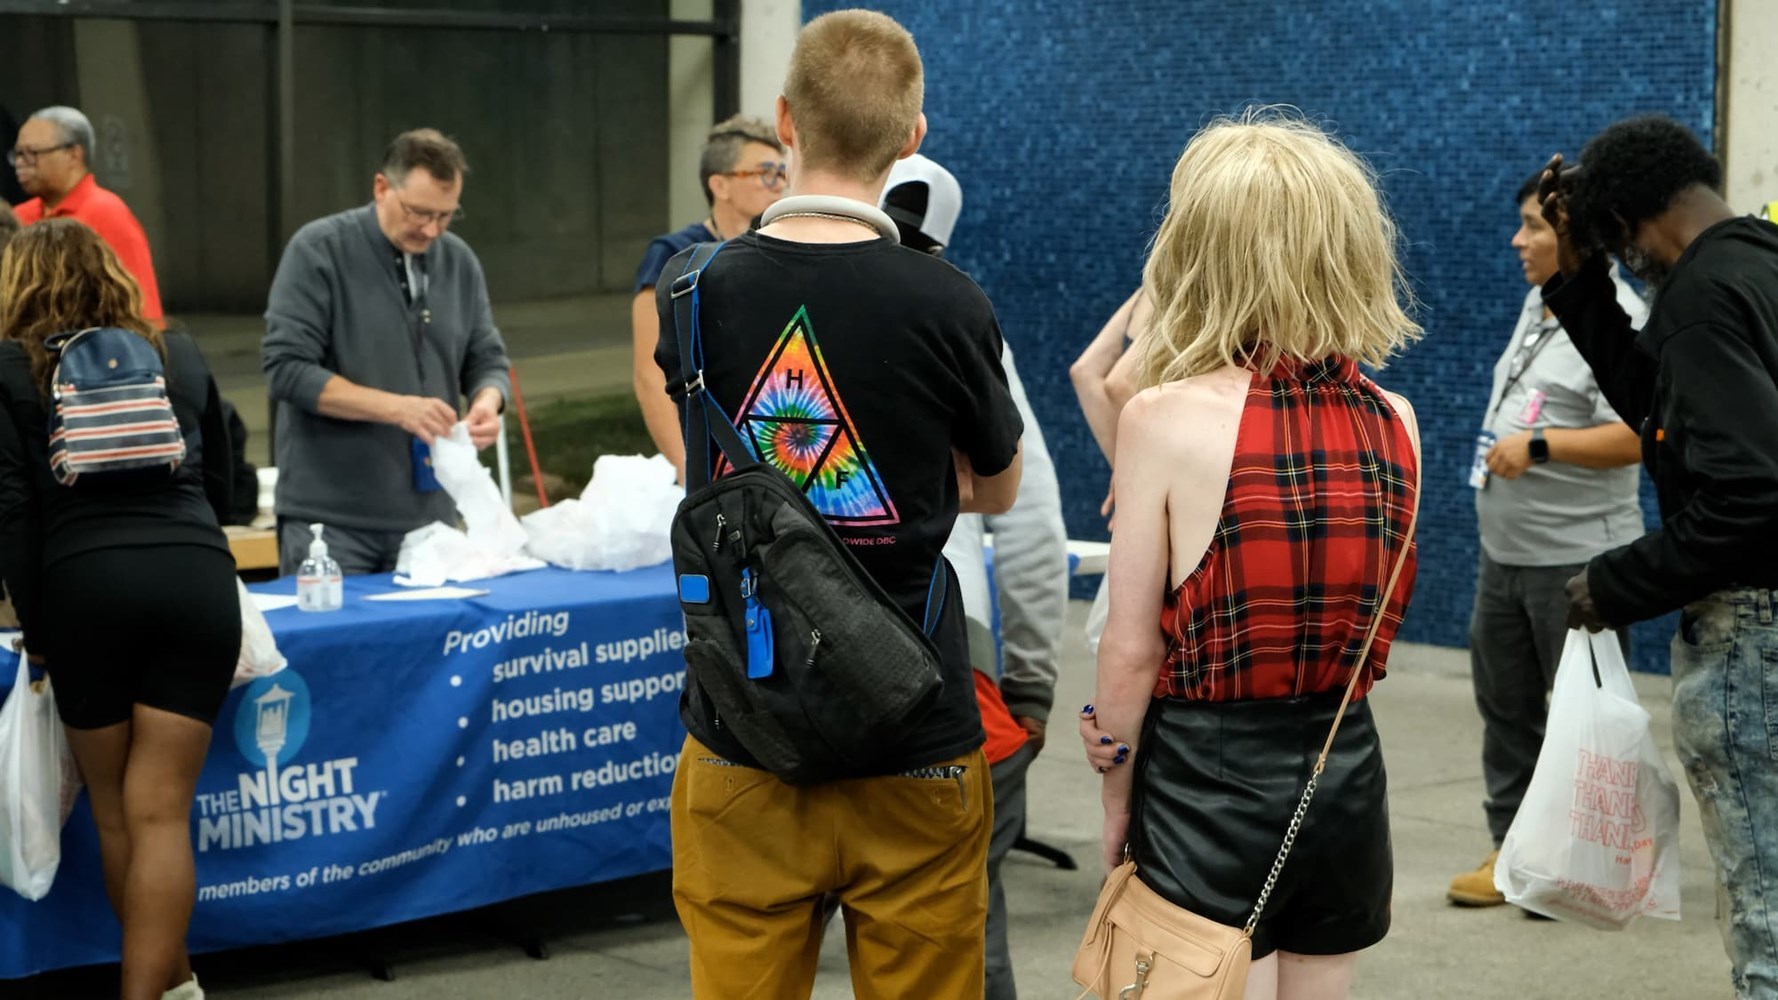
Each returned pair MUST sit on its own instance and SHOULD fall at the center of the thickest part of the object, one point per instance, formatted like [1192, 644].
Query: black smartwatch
[1540, 447]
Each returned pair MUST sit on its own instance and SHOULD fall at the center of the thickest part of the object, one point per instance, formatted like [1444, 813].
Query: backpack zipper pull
[814, 647]
[721, 522]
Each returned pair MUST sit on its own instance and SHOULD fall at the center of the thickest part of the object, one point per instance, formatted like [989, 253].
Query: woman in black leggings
[125, 591]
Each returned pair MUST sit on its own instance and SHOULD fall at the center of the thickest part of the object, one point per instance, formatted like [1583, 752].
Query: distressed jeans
[1725, 727]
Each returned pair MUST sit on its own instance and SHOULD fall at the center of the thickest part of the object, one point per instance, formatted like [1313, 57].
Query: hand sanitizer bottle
[318, 583]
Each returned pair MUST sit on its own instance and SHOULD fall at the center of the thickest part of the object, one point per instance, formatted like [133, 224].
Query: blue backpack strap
[700, 406]
[935, 597]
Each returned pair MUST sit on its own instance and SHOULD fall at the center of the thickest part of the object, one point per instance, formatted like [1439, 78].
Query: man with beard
[1701, 381]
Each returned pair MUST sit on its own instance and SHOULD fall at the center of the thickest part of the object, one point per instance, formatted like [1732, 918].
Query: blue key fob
[760, 650]
[425, 478]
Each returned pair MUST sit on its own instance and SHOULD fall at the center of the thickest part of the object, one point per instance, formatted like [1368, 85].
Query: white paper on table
[272, 602]
[429, 594]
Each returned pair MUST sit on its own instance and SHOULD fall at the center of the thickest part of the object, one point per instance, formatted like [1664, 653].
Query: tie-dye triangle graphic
[794, 419]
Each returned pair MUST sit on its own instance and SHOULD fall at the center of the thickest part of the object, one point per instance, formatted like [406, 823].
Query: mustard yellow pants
[907, 857]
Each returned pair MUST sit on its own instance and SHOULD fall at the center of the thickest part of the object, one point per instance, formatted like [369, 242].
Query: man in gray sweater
[378, 326]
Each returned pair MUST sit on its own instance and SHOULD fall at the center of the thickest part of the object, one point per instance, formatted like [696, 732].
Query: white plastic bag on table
[622, 520]
[259, 651]
[38, 783]
[494, 544]
[438, 554]
[492, 526]
[1596, 840]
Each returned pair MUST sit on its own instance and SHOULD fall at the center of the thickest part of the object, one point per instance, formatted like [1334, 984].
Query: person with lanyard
[742, 171]
[378, 325]
[1556, 484]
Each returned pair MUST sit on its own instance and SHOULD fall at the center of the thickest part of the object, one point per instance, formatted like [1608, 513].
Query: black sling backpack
[795, 651]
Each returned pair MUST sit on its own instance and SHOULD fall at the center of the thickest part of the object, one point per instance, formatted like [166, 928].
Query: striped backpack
[112, 419]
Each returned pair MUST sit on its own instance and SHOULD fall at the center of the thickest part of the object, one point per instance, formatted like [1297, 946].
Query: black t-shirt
[856, 368]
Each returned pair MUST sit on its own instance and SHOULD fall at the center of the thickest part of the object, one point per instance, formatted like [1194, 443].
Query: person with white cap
[1030, 578]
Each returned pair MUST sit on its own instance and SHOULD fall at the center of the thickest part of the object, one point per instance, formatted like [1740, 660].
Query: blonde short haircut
[1275, 245]
[855, 88]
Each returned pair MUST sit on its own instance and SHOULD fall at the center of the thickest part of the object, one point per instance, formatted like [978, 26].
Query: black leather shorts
[1217, 783]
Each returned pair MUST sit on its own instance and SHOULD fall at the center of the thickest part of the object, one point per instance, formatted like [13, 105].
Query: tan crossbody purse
[1138, 945]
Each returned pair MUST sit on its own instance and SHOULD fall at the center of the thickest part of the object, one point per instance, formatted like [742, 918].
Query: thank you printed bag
[1596, 840]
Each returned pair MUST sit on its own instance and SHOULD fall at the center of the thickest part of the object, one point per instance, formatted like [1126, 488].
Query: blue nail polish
[1123, 748]
[1086, 710]
[1104, 739]
[1119, 760]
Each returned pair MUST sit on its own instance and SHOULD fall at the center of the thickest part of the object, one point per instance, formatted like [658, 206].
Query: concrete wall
[201, 130]
[1752, 97]
[768, 33]
[566, 136]
[691, 110]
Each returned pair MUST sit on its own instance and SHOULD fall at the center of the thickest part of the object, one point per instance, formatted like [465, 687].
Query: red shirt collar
[76, 200]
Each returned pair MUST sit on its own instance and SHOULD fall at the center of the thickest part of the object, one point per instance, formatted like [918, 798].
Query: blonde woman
[1265, 488]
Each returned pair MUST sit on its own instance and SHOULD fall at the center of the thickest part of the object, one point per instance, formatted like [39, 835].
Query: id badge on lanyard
[1478, 469]
[425, 476]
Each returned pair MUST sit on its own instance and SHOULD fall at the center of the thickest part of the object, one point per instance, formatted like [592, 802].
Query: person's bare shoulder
[1177, 420]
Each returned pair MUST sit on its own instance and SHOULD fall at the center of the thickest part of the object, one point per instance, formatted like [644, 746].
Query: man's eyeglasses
[426, 217]
[771, 175]
[28, 156]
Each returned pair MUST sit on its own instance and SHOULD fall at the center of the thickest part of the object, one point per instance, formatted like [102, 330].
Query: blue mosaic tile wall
[1063, 120]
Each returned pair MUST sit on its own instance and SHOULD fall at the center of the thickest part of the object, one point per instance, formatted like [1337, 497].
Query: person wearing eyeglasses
[378, 327]
[743, 171]
[1556, 485]
[52, 159]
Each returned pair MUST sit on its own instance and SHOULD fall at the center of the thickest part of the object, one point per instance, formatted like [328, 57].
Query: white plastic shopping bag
[259, 651]
[38, 782]
[1596, 840]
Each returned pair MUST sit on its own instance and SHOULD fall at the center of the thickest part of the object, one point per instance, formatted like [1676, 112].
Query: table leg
[517, 932]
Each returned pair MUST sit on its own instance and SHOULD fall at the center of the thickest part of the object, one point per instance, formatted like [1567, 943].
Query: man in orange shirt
[52, 158]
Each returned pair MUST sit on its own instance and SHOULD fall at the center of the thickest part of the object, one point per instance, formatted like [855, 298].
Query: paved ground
[622, 940]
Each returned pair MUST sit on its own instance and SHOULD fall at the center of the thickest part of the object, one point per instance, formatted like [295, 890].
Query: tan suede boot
[1476, 888]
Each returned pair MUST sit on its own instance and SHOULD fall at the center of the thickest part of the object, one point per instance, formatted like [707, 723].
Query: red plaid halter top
[1320, 497]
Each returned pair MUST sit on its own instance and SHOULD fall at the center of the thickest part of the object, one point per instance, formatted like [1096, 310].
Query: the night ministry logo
[279, 798]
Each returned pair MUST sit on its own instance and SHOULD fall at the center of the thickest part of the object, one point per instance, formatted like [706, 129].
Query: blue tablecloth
[415, 759]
